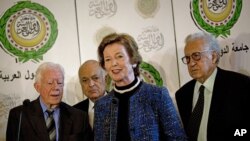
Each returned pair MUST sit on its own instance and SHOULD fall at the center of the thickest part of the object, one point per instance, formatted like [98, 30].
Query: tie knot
[201, 89]
[50, 112]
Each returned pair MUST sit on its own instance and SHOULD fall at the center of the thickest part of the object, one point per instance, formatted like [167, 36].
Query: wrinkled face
[202, 68]
[50, 87]
[117, 64]
[92, 81]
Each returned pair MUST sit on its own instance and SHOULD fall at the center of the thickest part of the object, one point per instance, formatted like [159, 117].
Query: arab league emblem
[28, 30]
[216, 16]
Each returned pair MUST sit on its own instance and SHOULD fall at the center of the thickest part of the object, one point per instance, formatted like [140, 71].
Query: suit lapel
[186, 101]
[217, 107]
[86, 105]
[36, 118]
[65, 122]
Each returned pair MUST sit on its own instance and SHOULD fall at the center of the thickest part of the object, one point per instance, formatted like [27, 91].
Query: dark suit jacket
[73, 123]
[84, 106]
[229, 108]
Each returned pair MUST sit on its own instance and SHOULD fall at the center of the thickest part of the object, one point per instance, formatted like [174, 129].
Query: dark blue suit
[84, 106]
[73, 123]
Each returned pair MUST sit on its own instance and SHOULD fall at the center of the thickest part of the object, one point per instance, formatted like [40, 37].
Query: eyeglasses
[196, 56]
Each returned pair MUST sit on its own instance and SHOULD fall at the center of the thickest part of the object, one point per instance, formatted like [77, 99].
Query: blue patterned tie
[195, 119]
[51, 128]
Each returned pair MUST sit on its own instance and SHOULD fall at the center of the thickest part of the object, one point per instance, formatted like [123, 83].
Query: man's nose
[91, 82]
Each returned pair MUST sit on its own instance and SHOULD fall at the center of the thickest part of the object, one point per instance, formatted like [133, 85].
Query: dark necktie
[195, 119]
[51, 128]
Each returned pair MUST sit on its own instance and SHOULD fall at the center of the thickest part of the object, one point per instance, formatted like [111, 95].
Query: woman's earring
[134, 65]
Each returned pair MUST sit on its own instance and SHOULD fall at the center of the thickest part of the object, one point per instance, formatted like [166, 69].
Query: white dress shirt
[91, 113]
[209, 86]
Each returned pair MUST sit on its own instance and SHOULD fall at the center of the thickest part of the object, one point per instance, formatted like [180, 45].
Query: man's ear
[37, 87]
[215, 57]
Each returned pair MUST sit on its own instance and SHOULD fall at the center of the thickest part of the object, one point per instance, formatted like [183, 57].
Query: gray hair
[209, 41]
[45, 66]
[103, 72]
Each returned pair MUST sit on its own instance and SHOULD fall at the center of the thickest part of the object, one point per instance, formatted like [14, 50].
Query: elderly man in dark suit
[47, 118]
[92, 80]
[221, 106]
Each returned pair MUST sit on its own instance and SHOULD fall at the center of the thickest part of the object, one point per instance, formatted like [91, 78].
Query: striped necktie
[51, 128]
[195, 119]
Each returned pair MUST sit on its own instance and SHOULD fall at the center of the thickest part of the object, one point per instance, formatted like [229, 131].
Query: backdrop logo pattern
[28, 31]
[216, 17]
[147, 8]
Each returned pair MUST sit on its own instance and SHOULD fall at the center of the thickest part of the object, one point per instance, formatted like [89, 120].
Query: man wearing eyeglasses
[220, 107]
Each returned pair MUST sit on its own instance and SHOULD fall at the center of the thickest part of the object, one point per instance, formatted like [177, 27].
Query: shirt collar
[44, 107]
[91, 104]
[209, 83]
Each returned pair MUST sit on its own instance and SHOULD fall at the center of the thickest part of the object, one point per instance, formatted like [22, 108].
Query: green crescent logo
[28, 30]
[216, 17]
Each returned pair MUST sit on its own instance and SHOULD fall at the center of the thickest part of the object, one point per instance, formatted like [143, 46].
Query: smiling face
[118, 65]
[50, 87]
[92, 80]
